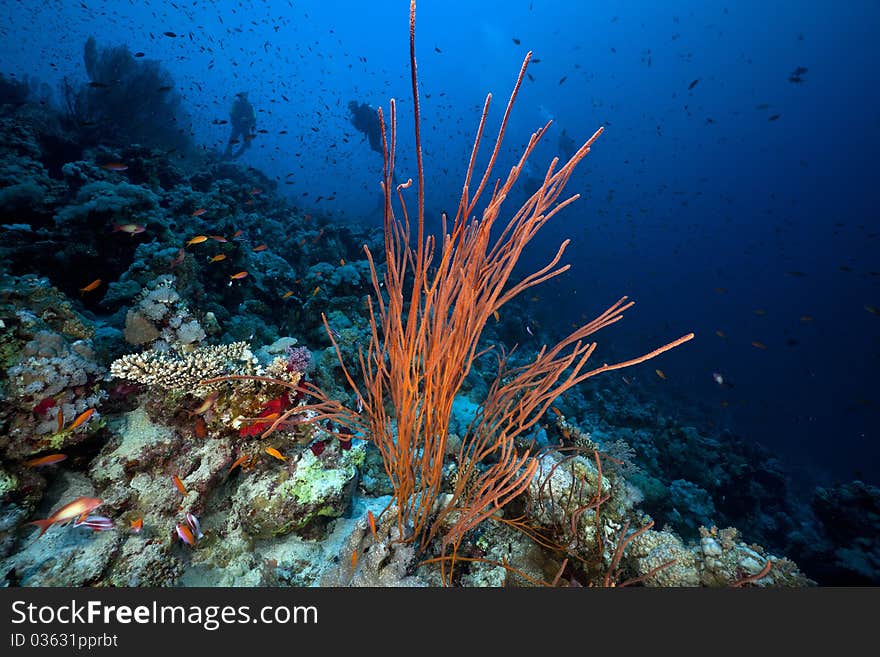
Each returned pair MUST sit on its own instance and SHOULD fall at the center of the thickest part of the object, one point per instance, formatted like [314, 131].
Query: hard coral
[181, 371]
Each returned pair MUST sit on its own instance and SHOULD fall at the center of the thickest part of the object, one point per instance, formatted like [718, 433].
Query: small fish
[237, 234]
[95, 523]
[354, 559]
[198, 239]
[759, 345]
[169, 34]
[239, 275]
[557, 412]
[693, 84]
[139, 54]
[516, 41]
[261, 247]
[99, 85]
[218, 238]
[316, 290]
[873, 310]
[194, 525]
[342, 262]
[179, 484]
[529, 330]
[206, 405]
[198, 213]
[274, 453]
[185, 534]
[255, 191]
[773, 117]
[236, 463]
[114, 166]
[563, 79]
[287, 294]
[60, 421]
[136, 525]
[661, 374]
[179, 258]
[49, 459]
[91, 286]
[217, 258]
[372, 522]
[806, 318]
[721, 334]
[131, 229]
[80, 507]
[496, 315]
[81, 419]
[719, 379]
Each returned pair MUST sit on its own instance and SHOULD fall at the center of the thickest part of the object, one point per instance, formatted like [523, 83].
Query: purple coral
[298, 359]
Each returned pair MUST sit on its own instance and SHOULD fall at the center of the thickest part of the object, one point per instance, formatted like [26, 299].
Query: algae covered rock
[298, 495]
[64, 555]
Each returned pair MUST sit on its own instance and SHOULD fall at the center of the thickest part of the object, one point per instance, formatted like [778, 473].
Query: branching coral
[181, 371]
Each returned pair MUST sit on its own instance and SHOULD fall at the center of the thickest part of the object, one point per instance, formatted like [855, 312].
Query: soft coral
[271, 409]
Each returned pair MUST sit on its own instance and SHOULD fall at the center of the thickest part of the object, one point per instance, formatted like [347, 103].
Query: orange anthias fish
[287, 294]
[114, 166]
[759, 345]
[179, 258]
[206, 405]
[49, 459]
[198, 239]
[137, 525]
[274, 453]
[218, 238]
[91, 286]
[81, 506]
[661, 374]
[261, 247]
[372, 520]
[198, 213]
[185, 534]
[179, 484]
[131, 229]
[81, 419]
[237, 462]
[217, 258]
[239, 275]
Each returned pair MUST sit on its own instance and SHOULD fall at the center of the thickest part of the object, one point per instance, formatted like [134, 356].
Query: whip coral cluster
[426, 318]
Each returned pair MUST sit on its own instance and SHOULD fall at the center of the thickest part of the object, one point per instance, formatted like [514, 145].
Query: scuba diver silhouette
[366, 119]
[243, 122]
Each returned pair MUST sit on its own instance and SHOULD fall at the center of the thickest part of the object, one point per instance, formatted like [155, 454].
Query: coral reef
[124, 239]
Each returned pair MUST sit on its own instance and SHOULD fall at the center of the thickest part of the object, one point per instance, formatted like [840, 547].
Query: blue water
[712, 216]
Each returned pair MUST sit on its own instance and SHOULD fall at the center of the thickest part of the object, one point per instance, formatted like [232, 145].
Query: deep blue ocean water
[734, 192]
